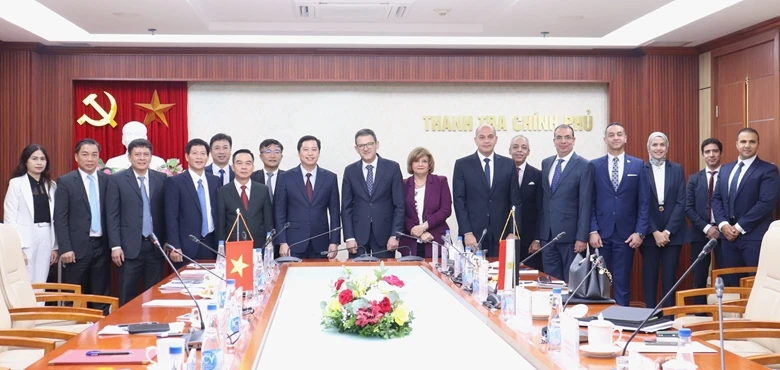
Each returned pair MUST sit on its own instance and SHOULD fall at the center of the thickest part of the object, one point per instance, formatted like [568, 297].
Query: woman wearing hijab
[28, 207]
[667, 229]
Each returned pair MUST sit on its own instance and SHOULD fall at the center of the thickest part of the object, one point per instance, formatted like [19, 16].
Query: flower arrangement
[367, 305]
[171, 167]
[107, 170]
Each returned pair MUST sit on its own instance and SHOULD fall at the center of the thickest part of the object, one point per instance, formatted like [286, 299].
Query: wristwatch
[641, 236]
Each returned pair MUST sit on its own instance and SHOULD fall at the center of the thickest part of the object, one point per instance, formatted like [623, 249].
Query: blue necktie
[146, 222]
[370, 179]
[222, 177]
[204, 222]
[615, 173]
[556, 175]
[487, 170]
[733, 188]
[94, 207]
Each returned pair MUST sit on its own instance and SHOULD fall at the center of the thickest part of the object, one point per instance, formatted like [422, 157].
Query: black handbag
[597, 284]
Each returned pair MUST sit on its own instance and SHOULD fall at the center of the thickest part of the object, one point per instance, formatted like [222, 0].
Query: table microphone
[284, 259]
[479, 242]
[202, 244]
[275, 234]
[719, 294]
[372, 257]
[195, 335]
[325, 253]
[192, 260]
[555, 239]
[410, 257]
[707, 249]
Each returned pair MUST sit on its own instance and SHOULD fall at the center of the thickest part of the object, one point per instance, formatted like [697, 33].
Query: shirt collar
[522, 166]
[84, 174]
[195, 176]
[274, 172]
[145, 175]
[313, 172]
[748, 161]
[376, 159]
[482, 157]
[717, 169]
[621, 157]
[566, 158]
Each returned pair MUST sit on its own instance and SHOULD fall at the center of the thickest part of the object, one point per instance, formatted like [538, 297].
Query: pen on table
[106, 353]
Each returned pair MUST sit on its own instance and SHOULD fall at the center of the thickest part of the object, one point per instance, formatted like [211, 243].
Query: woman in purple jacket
[428, 203]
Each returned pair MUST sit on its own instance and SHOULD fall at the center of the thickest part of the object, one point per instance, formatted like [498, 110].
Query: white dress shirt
[419, 202]
[621, 165]
[97, 191]
[272, 184]
[708, 175]
[313, 178]
[146, 181]
[659, 175]
[492, 165]
[365, 170]
[248, 189]
[215, 170]
[195, 179]
[566, 160]
[521, 173]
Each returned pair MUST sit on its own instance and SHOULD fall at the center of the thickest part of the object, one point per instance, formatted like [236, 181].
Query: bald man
[530, 180]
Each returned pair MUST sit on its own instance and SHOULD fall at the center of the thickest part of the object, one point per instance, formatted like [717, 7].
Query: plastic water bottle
[221, 264]
[232, 310]
[211, 350]
[434, 255]
[259, 272]
[176, 356]
[468, 269]
[476, 275]
[684, 346]
[554, 322]
[268, 257]
[192, 360]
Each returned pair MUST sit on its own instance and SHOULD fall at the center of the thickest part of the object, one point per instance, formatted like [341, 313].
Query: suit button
[615, 196]
[370, 204]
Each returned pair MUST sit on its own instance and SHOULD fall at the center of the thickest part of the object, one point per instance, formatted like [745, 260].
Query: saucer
[601, 352]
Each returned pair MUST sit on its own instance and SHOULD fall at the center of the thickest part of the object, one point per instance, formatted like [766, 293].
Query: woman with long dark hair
[29, 205]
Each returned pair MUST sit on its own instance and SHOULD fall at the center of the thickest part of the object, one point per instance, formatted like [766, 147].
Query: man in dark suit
[619, 219]
[698, 208]
[80, 224]
[484, 189]
[221, 145]
[745, 196]
[530, 180]
[135, 208]
[307, 197]
[191, 206]
[251, 198]
[372, 196]
[271, 153]
[567, 199]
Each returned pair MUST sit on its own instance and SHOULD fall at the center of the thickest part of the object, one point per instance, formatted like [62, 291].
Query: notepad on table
[79, 357]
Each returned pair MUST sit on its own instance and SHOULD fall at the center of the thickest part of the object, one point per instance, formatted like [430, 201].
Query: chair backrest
[14, 282]
[764, 301]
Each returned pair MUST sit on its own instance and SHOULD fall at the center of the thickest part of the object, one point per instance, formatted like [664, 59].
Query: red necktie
[244, 197]
[709, 194]
[309, 189]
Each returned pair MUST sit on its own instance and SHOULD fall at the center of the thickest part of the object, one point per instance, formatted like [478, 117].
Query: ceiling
[378, 23]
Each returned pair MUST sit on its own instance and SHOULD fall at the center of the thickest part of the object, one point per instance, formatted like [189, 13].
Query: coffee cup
[600, 335]
[161, 351]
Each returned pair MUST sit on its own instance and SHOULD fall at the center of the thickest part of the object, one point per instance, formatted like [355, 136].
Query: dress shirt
[747, 163]
[365, 171]
[195, 179]
[419, 202]
[146, 181]
[521, 173]
[492, 165]
[248, 188]
[708, 174]
[313, 178]
[621, 165]
[659, 176]
[215, 170]
[275, 173]
[566, 160]
[85, 180]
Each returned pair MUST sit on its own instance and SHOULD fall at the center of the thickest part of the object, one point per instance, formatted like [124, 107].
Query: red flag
[239, 263]
[506, 264]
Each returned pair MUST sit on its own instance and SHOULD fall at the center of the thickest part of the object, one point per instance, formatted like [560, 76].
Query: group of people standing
[616, 204]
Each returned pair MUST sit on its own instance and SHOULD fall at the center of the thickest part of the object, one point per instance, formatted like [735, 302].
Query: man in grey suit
[567, 193]
[135, 208]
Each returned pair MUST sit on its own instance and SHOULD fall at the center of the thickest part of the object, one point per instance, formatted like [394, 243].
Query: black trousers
[702, 269]
[147, 265]
[521, 253]
[373, 246]
[309, 253]
[93, 273]
[666, 259]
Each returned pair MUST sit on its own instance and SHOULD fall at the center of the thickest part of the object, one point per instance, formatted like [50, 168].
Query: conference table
[451, 329]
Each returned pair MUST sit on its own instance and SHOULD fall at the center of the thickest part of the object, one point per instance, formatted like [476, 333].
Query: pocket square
[631, 174]
[531, 183]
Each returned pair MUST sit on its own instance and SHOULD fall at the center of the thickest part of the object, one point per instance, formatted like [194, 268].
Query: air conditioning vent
[353, 10]
[303, 11]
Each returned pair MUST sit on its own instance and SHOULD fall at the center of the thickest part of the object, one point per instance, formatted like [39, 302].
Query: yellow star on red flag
[239, 266]
[155, 111]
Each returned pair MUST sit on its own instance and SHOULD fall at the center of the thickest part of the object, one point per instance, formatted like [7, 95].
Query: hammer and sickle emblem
[108, 118]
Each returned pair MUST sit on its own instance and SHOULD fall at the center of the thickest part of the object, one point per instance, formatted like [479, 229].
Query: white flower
[385, 287]
[374, 294]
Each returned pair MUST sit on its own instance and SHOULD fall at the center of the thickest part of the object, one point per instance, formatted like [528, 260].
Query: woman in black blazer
[667, 229]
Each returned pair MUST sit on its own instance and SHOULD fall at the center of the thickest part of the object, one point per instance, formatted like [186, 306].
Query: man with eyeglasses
[372, 197]
[567, 195]
[271, 153]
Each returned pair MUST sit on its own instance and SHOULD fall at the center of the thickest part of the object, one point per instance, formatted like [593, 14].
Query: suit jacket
[259, 216]
[383, 210]
[437, 207]
[209, 169]
[530, 195]
[622, 212]
[696, 205]
[568, 208]
[673, 216]
[307, 218]
[259, 176]
[479, 206]
[19, 210]
[756, 198]
[124, 210]
[183, 215]
[73, 215]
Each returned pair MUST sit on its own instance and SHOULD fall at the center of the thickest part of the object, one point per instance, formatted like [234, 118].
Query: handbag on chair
[597, 283]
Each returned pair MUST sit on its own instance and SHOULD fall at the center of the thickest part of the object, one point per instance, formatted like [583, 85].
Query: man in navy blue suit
[618, 222]
[372, 197]
[307, 196]
[745, 196]
[191, 205]
[698, 208]
[484, 189]
[221, 146]
[567, 200]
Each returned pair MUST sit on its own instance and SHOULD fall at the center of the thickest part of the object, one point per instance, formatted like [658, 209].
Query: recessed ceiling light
[441, 11]
[572, 18]
[126, 15]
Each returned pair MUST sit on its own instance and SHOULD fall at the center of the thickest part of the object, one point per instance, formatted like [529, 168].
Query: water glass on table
[507, 300]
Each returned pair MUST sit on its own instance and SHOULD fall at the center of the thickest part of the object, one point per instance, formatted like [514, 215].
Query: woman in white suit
[29, 206]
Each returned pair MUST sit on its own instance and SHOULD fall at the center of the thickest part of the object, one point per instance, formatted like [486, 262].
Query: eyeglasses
[269, 151]
[366, 145]
[567, 138]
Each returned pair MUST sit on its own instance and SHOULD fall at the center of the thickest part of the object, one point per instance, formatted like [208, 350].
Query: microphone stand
[325, 253]
[719, 294]
[202, 244]
[707, 249]
[555, 239]
[285, 259]
[275, 234]
[194, 262]
[596, 263]
[372, 258]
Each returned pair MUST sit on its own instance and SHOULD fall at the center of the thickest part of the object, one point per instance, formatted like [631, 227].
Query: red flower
[368, 316]
[338, 284]
[345, 296]
[393, 280]
[385, 306]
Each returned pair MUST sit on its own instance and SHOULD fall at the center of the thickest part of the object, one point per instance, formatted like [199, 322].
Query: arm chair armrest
[47, 345]
[732, 270]
[734, 324]
[682, 294]
[37, 333]
[58, 287]
[679, 311]
[747, 282]
[65, 316]
[79, 299]
[729, 334]
[769, 359]
[47, 309]
[737, 302]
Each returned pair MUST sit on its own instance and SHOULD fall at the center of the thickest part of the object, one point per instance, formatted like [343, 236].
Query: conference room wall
[649, 90]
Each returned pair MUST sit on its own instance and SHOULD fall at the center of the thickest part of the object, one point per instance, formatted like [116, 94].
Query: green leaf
[394, 297]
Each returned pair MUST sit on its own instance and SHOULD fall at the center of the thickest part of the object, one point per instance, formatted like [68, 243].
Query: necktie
[222, 177]
[204, 222]
[146, 221]
[615, 178]
[244, 197]
[710, 189]
[519, 176]
[556, 175]
[268, 182]
[309, 189]
[94, 207]
[733, 188]
[370, 179]
[487, 170]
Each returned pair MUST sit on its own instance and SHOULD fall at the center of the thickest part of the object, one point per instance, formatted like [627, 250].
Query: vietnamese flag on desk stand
[506, 264]
[239, 263]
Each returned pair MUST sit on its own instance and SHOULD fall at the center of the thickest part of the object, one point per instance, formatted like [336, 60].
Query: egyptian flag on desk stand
[506, 256]
[239, 256]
